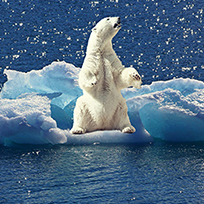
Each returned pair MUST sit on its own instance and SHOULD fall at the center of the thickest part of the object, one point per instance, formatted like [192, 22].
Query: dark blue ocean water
[161, 173]
[163, 40]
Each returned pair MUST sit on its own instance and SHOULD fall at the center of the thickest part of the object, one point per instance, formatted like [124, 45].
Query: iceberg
[170, 114]
[58, 77]
[37, 108]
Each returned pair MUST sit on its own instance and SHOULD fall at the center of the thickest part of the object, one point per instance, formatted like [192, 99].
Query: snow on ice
[37, 108]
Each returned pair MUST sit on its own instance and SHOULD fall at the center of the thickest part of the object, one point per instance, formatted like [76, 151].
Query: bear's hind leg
[83, 122]
[122, 119]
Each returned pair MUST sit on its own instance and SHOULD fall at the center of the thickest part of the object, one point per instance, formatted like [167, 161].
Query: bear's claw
[77, 131]
[136, 76]
[128, 129]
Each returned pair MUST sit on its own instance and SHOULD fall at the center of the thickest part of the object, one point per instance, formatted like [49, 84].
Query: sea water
[163, 41]
[160, 173]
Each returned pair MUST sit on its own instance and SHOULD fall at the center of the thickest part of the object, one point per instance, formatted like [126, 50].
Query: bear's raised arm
[124, 77]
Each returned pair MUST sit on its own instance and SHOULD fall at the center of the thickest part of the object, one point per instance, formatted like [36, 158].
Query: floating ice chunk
[170, 115]
[58, 77]
[170, 110]
[26, 119]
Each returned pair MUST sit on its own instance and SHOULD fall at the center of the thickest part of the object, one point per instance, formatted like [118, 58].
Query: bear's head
[107, 28]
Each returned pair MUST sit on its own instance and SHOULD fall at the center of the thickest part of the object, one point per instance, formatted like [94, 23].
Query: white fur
[102, 107]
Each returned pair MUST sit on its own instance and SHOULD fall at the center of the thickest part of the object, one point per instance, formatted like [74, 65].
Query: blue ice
[37, 108]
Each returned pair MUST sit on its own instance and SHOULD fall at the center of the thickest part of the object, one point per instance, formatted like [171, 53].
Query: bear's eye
[108, 19]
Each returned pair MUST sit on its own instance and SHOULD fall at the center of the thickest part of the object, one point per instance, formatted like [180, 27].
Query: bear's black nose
[117, 24]
[118, 20]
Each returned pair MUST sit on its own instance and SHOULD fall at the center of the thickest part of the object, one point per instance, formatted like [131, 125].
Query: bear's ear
[94, 29]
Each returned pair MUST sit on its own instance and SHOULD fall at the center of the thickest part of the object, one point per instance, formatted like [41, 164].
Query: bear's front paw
[135, 79]
[130, 129]
[77, 130]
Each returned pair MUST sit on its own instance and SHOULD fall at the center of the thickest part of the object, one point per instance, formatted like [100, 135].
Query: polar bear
[102, 107]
